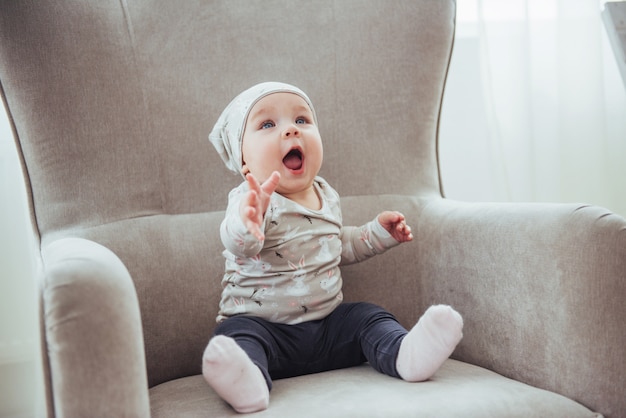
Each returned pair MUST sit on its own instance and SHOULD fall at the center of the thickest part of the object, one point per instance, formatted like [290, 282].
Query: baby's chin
[294, 186]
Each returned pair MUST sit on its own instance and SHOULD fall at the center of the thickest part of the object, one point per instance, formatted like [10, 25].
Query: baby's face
[281, 135]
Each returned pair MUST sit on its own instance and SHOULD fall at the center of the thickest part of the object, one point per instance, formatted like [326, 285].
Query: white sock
[231, 373]
[429, 343]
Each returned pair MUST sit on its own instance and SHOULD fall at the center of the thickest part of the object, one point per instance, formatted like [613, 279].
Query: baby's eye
[267, 124]
[302, 120]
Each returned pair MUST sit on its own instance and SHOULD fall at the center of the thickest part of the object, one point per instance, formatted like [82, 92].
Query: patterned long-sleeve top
[293, 275]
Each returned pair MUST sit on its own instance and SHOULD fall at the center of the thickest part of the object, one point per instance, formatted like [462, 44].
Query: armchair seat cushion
[457, 390]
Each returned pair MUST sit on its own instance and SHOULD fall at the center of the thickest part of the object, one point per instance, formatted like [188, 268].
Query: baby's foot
[429, 343]
[231, 373]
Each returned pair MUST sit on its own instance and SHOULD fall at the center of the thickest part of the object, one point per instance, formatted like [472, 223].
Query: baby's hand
[255, 203]
[395, 224]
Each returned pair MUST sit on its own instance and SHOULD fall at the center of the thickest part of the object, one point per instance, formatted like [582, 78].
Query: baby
[281, 312]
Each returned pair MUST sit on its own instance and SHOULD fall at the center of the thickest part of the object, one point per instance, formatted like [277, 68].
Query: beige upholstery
[111, 104]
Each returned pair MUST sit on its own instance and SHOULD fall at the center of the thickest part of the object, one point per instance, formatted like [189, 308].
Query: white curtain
[535, 107]
[21, 381]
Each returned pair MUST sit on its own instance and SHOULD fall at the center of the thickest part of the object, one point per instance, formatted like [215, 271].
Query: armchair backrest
[112, 101]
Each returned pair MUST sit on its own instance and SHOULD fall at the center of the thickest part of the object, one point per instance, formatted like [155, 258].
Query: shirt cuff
[384, 237]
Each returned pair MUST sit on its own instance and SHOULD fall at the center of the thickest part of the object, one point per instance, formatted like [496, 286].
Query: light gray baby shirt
[293, 275]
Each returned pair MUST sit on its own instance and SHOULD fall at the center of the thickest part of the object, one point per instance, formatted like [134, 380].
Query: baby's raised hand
[255, 203]
[395, 224]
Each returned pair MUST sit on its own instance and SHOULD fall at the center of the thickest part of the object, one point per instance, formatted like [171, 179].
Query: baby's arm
[387, 230]
[255, 203]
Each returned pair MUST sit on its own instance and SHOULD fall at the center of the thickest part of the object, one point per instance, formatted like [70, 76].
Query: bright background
[535, 107]
[534, 110]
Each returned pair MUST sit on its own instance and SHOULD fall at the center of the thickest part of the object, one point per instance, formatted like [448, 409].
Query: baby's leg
[429, 343]
[231, 373]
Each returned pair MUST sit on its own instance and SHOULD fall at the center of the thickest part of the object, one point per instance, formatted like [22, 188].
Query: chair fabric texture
[111, 103]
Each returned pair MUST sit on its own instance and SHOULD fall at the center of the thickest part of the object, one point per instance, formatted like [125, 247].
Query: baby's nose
[291, 131]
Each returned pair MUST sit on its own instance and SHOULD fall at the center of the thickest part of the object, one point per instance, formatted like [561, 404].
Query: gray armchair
[111, 103]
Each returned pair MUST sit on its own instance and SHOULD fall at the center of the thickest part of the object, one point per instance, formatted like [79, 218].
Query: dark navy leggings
[352, 334]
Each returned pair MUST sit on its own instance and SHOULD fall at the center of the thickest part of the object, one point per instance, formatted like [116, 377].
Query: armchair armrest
[94, 344]
[541, 288]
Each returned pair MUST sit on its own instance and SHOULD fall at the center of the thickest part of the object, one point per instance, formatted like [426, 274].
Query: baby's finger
[408, 233]
[255, 230]
[252, 199]
[271, 183]
[253, 183]
[249, 213]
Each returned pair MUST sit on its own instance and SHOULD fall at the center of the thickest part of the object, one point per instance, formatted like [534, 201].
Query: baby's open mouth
[293, 159]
